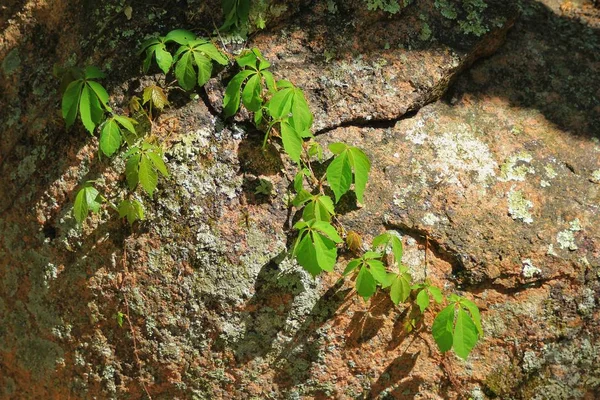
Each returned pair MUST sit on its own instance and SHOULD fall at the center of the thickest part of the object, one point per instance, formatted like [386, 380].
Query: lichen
[519, 207]
[566, 240]
[516, 167]
[595, 177]
[529, 270]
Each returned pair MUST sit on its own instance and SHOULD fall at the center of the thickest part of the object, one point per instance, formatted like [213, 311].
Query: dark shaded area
[399, 369]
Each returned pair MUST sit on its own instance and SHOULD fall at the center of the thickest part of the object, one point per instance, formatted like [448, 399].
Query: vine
[281, 111]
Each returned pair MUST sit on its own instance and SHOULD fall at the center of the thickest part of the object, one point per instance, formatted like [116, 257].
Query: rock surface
[494, 190]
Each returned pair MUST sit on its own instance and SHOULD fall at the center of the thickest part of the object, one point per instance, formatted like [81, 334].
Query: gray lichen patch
[595, 177]
[566, 240]
[519, 207]
[529, 270]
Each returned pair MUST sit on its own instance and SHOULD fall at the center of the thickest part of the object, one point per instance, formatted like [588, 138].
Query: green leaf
[400, 288]
[147, 175]
[92, 72]
[292, 143]
[327, 229]
[270, 81]
[365, 283]
[280, 104]
[70, 102]
[382, 239]
[204, 68]
[442, 328]
[231, 100]
[158, 162]
[352, 266]
[361, 165]
[126, 123]
[306, 255]
[302, 117]
[180, 36]
[474, 310]
[85, 109]
[99, 91]
[132, 210]
[423, 300]
[85, 201]
[378, 271]
[149, 43]
[164, 59]
[436, 293]
[132, 170]
[465, 334]
[338, 148]
[110, 137]
[251, 94]
[80, 208]
[339, 175]
[325, 250]
[184, 71]
[211, 51]
[396, 249]
[247, 59]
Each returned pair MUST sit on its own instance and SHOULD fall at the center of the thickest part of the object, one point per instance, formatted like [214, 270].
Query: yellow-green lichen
[519, 207]
[516, 167]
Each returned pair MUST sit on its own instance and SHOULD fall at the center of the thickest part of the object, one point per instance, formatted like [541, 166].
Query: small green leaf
[156, 96]
[436, 294]
[361, 165]
[180, 36]
[126, 123]
[352, 266]
[132, 210]
[204, 68]
[158, 162]
[474, 310]
[378, 271]
[302, 117]
[132, 170]
[247, 59]
[306, 255]
[442, 328]
[184, 71]
[251, 94]
[338, 148]
[465, 334]
[85, 201]
[327, 229]
[400, 288]
[99, 91]
[365, 283]
[211, 51]
[70, 102]
[164, 59]
[231, 100]
[325, 251]
[110, 137]
[339, 175]
[280, 104]
[147, 175]
[92, 72]
[85, 109]
[423, 300]
[292, 143]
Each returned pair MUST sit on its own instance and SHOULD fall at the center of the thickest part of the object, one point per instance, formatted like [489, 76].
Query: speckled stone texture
[494, 189]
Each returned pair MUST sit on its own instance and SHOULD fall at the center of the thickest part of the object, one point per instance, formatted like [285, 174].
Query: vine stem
[133, 335]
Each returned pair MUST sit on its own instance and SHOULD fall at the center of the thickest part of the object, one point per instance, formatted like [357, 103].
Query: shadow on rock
[266, 314]
[393, 381]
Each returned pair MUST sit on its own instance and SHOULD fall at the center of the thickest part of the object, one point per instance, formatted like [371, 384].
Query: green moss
[503, 381]
[11, 62]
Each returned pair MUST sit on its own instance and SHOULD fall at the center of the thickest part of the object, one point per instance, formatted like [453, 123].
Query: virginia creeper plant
[281, 111]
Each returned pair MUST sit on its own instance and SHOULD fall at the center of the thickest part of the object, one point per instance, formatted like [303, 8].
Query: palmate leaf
[87, 200]
[350, 159]
[194, 63]
[400, 287]
[110, 137]
[454, 328]
[143, 166]
[315, 248]
[86, 97]
[319, 208]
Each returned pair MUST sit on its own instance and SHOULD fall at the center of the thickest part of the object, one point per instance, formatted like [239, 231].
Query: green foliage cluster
[389, 6]
[282, 113]
[469, 14]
